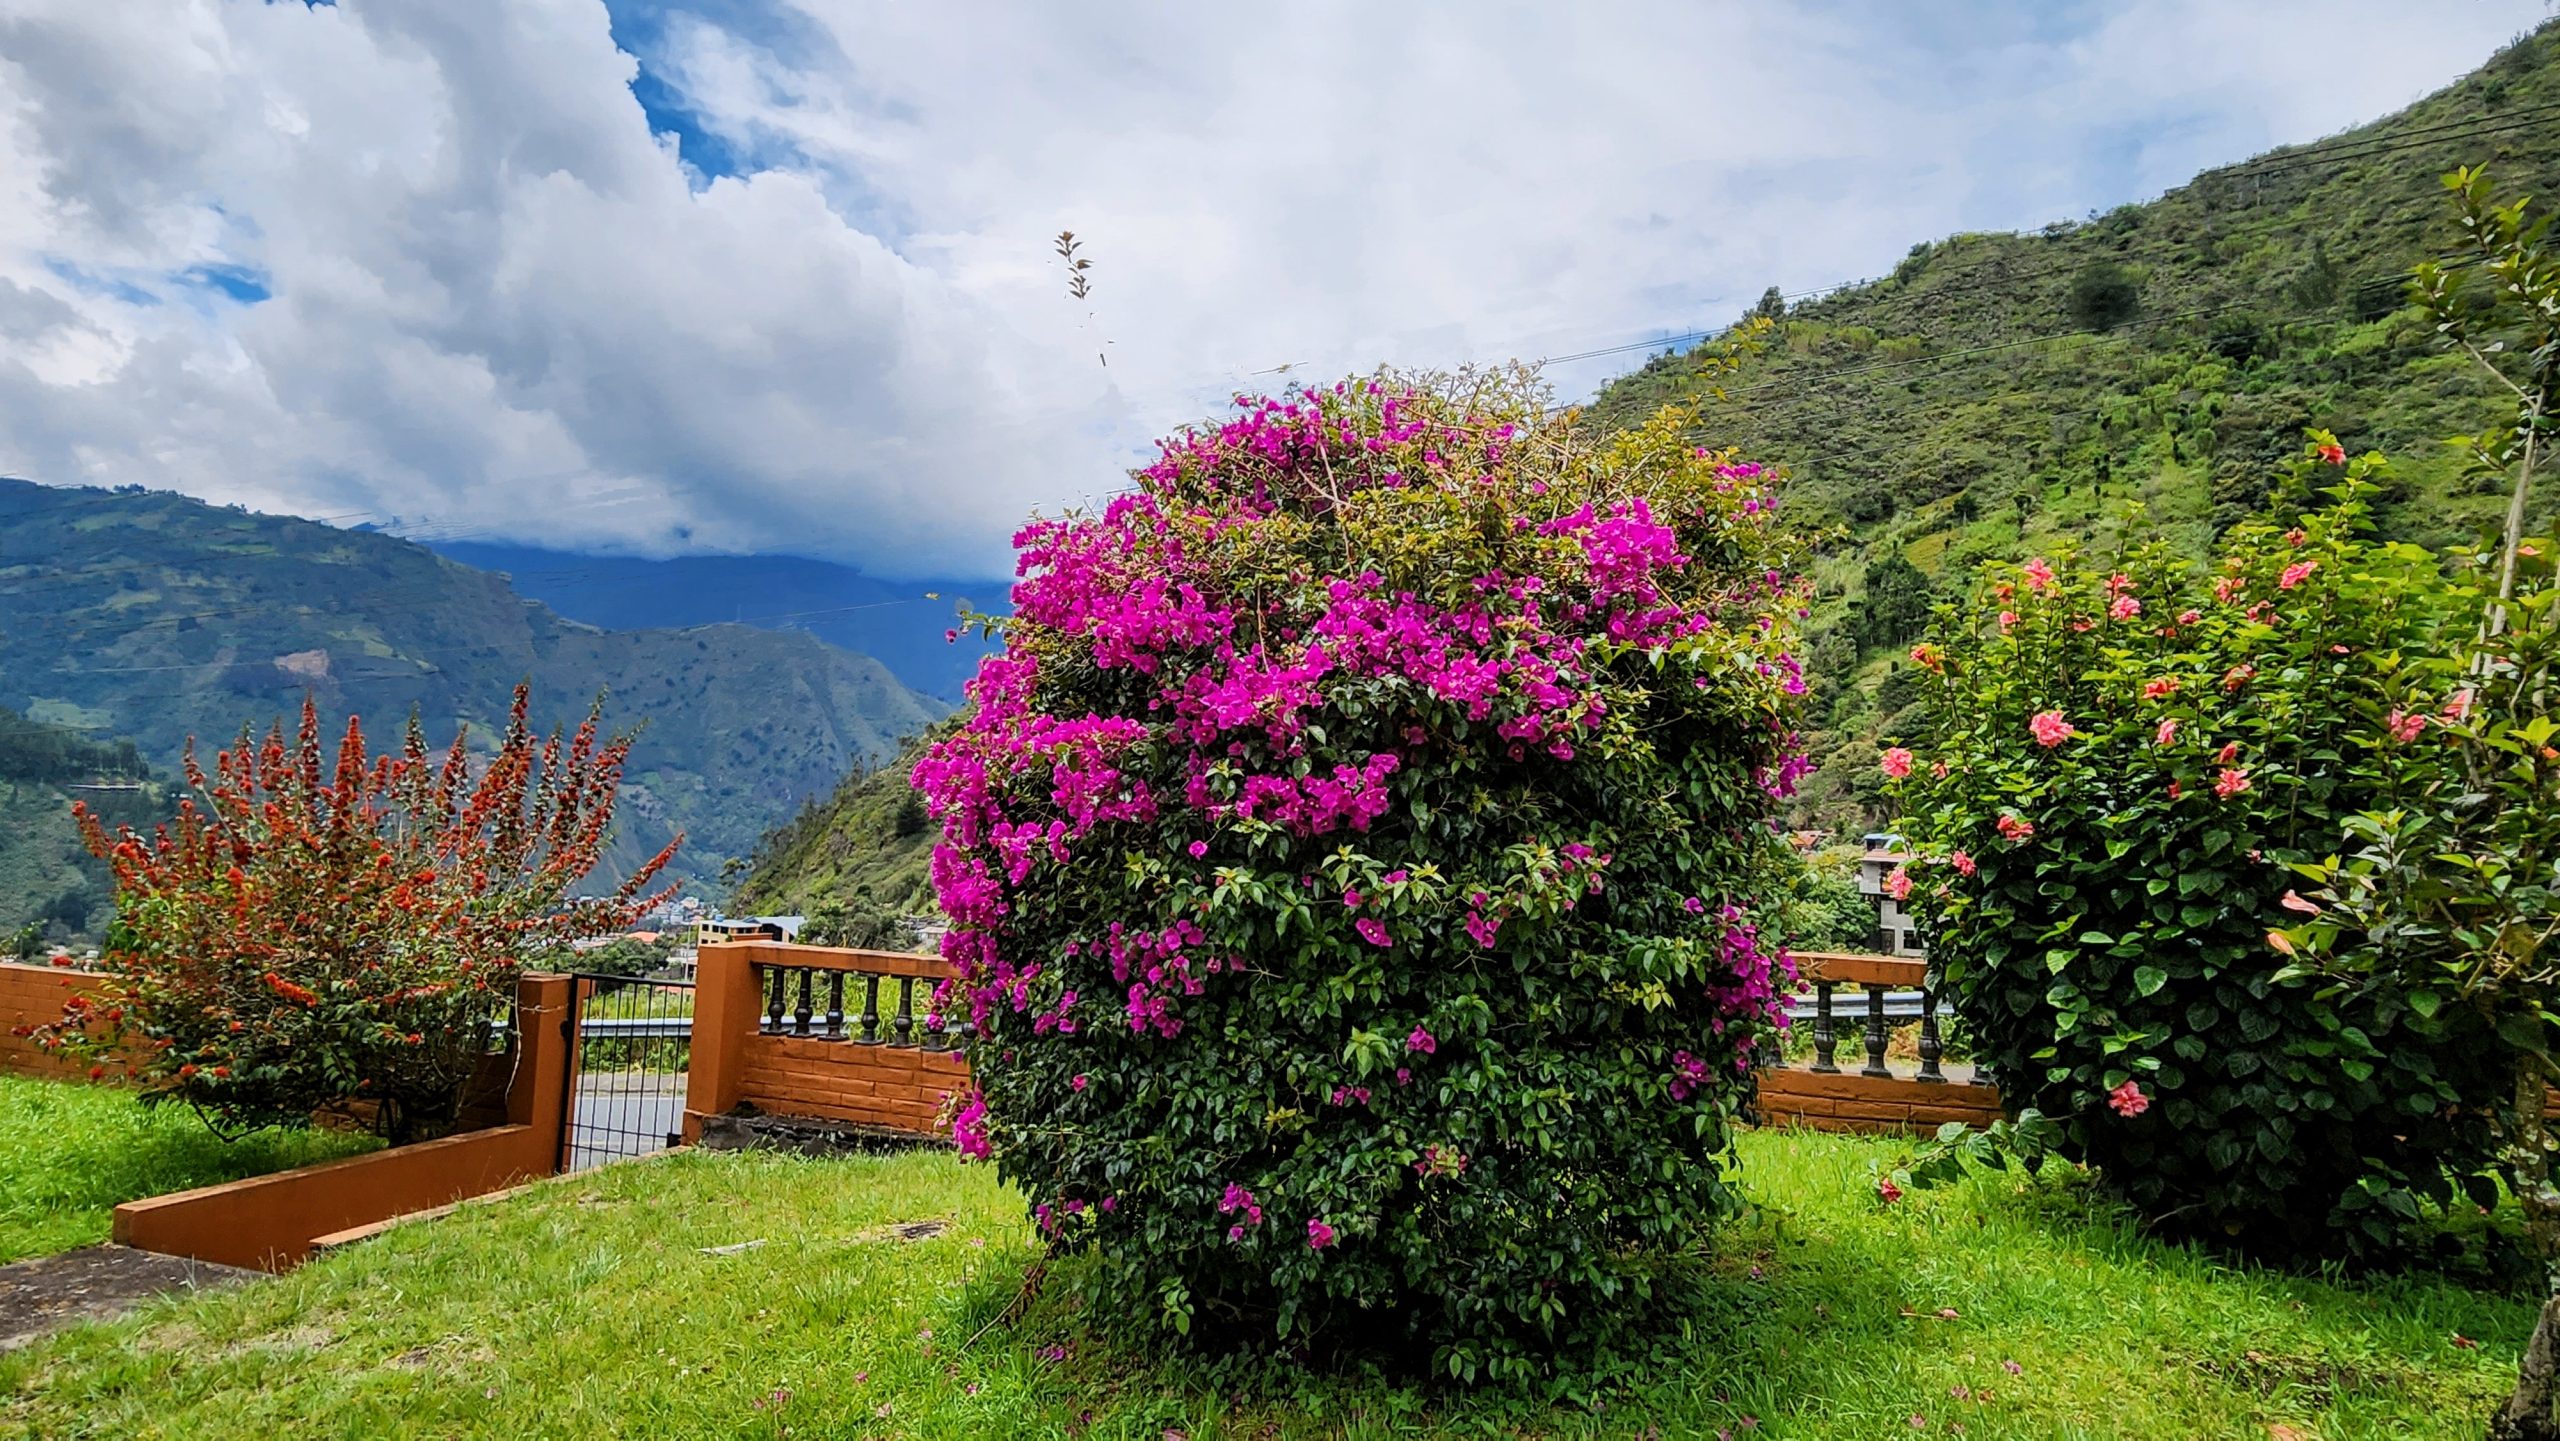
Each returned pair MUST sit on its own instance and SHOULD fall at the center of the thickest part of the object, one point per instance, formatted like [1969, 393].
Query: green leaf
[2147, 980]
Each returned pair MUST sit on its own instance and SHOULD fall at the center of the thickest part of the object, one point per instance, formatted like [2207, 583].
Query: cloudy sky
[775, 275]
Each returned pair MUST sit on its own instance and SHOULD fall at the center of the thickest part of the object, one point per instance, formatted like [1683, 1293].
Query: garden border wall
[268, 1223]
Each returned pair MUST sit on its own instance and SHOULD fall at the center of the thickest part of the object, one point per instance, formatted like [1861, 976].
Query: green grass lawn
[70, 1152]
[588, 1307]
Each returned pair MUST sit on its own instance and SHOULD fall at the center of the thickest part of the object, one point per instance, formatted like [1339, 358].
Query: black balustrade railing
[1891, 991]
[792, 1007]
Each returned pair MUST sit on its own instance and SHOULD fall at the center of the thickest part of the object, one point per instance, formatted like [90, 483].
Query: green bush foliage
[2127, 760]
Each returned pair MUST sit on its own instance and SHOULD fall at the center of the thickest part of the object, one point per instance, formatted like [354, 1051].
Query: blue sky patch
[234, 282]
[90, 282]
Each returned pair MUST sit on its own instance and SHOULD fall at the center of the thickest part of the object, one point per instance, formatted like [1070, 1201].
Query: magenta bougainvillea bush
[2126, 757]
[1354, 865]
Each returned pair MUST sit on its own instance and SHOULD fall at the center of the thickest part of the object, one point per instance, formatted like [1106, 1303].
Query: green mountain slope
[2001, 394]
[157, 617]
[870, 839]
[47, 878]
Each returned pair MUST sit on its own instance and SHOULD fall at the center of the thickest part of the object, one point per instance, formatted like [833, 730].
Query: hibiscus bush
[308, 933]
[1354, 862]
[2126, 760]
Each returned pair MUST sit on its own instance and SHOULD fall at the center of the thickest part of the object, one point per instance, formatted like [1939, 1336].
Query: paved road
[616, 1116]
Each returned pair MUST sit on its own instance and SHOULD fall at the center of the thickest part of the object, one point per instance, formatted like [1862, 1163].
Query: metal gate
[630, 1041]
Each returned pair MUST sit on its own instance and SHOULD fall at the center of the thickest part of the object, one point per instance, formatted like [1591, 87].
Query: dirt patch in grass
[2312, 1379]
[93, 1283]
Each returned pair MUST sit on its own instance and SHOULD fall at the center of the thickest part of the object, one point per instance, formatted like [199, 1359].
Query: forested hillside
[870, 841]
[157, 617]
[47, 878]
[2134, 373]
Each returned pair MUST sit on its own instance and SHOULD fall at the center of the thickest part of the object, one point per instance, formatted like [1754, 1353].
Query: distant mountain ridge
[898, 623]
[152, 616]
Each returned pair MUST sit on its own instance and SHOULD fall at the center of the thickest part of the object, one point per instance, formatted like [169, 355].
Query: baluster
[1930, 1050]
[800, 1014]
[904, 1023]
[1825, 1038]
[780, 980]
[835, 1005]
[870, 1010]
[1875, 1033]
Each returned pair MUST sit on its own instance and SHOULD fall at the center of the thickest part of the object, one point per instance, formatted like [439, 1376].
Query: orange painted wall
[734, 1064]
[896, 1086]
[32, 996]
[269, 1222]
[1849, 1102]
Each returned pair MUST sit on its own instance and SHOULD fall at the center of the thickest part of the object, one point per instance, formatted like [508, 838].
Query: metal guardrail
[636, 1027]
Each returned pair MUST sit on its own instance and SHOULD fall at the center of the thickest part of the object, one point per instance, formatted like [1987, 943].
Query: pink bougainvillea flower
[1896, 762]
[1898, 884]
[1694, 905]
[1422, 1040]
[1351, 898]
[2160, 687]
[2403, 726]
[1077, 1082]
[2015, 827]
[2332, 452]
[2231, 782]
[2168, 732]
[2123, 607]
[2008, 618]
[2296, 573]
[1886, 1191]
[1687, 1072]
[1199, 849]
[2050, 729]
[1319, 1235]
[2127, 1100]
[2190, 617]
[1962, 862]
[1374, 931]
[2039, 573]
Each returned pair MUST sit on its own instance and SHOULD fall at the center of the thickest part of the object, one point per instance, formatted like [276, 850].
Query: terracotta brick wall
[1848, 1102]
[895, 1086]
[33, 996]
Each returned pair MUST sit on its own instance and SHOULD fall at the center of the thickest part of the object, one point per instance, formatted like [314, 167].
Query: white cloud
[500, 303]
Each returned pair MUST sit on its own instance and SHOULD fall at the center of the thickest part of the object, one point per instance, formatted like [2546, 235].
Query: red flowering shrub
[305, 934]
[2123, 764]
[1353, 862]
